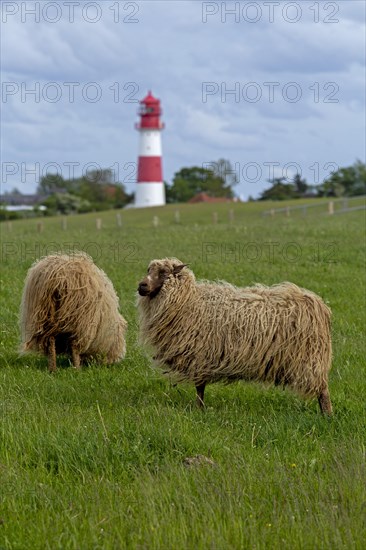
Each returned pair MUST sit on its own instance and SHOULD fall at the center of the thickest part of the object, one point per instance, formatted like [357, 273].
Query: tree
[121, 197]
[65, 203]
[99, 189]
[300, 185]
[51, 183]
[188, 182]
[279, 191]
[90, 190]
[169, 196]
[348, 181]
[223, 169]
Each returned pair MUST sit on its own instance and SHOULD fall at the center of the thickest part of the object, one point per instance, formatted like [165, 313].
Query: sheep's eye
[161, 272]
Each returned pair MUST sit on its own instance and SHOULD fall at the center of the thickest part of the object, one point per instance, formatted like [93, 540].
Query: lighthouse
[149, 187]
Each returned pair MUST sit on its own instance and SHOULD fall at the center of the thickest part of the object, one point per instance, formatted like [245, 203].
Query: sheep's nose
[143, 289]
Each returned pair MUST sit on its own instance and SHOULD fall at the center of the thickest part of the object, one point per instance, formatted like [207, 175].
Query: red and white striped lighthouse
[150, 187]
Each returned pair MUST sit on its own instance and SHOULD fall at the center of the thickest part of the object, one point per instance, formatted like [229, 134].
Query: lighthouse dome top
[150, 112]
[150, 99]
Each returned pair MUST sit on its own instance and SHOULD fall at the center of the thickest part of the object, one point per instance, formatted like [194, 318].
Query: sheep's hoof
[325, 403]
[51, 365]
[52, 354]
[200, 404]
[75, 358]
[200, 394]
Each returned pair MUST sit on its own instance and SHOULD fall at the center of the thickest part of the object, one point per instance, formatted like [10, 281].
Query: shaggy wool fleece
[68, 298]
[204, 332]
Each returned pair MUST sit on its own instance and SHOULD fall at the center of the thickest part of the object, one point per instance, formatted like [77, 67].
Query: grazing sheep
[70, 306]
[203, 332]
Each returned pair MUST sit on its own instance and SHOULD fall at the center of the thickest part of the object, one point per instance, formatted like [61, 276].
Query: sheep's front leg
[200, 388]
[51, 352]
[75, 356]
[325, 403]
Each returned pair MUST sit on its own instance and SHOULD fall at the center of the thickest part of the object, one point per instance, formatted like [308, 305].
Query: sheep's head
[158, 273]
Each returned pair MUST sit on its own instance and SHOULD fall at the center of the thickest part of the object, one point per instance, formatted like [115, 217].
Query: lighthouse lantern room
[150, 187]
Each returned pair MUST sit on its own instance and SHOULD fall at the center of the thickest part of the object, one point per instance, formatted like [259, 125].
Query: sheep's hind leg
[75, 356]
[51, 353]
[200, 388]
[325, 403]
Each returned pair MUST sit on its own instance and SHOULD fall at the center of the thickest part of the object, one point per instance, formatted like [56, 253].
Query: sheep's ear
[178, 268]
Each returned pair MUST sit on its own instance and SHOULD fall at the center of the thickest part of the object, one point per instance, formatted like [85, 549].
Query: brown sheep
[70, 306]
[204, 332]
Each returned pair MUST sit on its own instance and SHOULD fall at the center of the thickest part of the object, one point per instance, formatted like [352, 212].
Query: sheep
[70, 306]
[204, 332]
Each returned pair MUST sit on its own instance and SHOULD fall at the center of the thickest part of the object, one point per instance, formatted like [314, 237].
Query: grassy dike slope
[95, 459]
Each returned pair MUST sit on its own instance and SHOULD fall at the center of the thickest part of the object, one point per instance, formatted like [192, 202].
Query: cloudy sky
[275, 87]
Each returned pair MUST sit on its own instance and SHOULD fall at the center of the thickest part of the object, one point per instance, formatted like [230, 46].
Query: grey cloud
[173, 52]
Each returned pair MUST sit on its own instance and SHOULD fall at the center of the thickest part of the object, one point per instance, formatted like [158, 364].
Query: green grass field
[95, 459]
